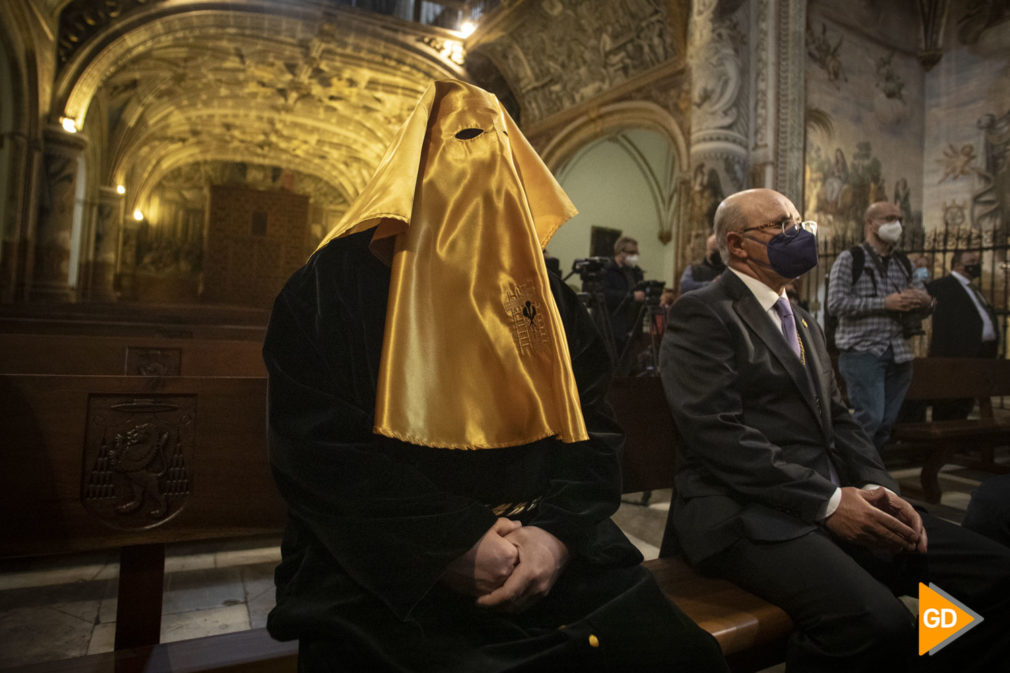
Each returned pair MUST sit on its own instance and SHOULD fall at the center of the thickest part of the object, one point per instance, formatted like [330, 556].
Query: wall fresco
[865, 124]
[967, 133]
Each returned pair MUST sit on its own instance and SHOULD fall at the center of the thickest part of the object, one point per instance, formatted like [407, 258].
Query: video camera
[653, 290]
[589, 266]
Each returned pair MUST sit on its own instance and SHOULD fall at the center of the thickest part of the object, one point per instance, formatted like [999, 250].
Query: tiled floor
[62, 607]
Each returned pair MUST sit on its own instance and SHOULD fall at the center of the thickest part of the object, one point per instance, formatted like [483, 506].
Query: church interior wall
[865, 115]
[620, 182]
[229, 100]
[968, 128]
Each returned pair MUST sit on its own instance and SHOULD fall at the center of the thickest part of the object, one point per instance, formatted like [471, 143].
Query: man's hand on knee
[486, 565]
[859, 519]
[542, 557]
[900, 508]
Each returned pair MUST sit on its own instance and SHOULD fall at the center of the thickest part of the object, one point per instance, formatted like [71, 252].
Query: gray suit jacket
[757, 427]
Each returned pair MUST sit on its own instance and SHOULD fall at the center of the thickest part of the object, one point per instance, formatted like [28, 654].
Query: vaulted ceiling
[303, 85]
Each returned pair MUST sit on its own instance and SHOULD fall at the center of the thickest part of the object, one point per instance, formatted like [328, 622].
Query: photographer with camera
[880, 304]
[620, 280]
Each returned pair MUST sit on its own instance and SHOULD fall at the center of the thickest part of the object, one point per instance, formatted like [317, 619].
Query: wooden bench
[133, 463]
[75, 462]
[951, 442]
[44, 353]
[144, 320]
[751, 632]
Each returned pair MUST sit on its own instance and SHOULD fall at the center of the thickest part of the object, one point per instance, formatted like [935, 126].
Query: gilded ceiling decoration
[312, 89]
[606, 42]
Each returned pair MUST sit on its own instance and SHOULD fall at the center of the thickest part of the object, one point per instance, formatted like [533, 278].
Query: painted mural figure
[903, 199]
[957, 163]
[826, 55]
[990, 202]
[835, 183]
[888, 81]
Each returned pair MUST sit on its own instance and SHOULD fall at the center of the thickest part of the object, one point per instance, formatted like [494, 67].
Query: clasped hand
[877, 518]
[510, 568]
[909, 299]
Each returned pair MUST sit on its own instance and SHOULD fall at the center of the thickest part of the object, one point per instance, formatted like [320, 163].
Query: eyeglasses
[787, 226]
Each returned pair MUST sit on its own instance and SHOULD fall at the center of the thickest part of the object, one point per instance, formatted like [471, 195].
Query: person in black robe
[382, 558]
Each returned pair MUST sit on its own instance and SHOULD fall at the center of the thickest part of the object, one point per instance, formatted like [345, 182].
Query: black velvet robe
[374, 521]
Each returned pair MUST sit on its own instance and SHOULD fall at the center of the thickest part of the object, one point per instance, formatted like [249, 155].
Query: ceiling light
[120, 189]
[466, 30]
[138, 216]
[69, 124]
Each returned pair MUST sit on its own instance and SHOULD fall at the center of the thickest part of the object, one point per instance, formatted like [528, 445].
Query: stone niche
[255, 241]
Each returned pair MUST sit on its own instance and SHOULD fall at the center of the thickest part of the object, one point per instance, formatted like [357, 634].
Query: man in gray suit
[779, 489]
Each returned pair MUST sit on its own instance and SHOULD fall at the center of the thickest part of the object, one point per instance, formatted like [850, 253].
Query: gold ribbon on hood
[474, 353]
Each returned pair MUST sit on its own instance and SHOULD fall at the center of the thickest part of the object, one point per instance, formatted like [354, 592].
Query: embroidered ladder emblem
[525, 319]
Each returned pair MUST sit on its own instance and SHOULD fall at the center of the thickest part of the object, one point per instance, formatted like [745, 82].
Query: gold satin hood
[474, 354]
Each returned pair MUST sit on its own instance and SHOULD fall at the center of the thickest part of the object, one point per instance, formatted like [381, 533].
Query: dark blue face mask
[792, 254]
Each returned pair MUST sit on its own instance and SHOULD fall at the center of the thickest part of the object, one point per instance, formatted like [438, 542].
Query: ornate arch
[608, 120]
[611, 118]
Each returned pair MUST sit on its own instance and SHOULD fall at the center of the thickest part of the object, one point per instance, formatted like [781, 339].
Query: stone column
[790, 67]
[98, 271]
[718, 116]
[52, 241]
[20, 215]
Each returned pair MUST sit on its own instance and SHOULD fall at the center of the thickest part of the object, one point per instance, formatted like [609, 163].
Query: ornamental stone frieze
[558, 54]
[719, 133]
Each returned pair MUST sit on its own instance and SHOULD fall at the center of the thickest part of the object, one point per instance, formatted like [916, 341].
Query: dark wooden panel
[951, 378]
[24, 353]
[642, 412]
[44, 423]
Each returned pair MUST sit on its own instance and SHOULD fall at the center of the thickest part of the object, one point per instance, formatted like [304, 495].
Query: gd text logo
[942, 619]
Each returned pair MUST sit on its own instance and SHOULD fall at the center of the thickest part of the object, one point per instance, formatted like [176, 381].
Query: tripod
[638, 358]
[594, 301]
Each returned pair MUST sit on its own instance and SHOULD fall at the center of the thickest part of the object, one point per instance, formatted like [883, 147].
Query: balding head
[736, 211]
[882, 211]
[877, 214]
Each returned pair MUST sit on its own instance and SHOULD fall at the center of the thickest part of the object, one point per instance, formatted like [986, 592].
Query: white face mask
[631, 260]
[889, 232]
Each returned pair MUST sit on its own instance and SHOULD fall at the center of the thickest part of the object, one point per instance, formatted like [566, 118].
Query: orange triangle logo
[942, 619]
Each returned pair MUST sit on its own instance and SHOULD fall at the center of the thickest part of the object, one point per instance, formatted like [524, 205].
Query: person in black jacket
[964, 324]
[438, 426]
[620, 280]
[781, 491]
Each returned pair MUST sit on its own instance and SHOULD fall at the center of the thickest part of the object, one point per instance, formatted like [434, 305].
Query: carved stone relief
[718, 113]
[136, 455]
[604, 44]
[717, 75]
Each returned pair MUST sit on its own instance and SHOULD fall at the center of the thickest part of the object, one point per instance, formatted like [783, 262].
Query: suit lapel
[750, 311]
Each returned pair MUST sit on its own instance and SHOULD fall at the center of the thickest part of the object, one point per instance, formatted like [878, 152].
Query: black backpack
[858, 253]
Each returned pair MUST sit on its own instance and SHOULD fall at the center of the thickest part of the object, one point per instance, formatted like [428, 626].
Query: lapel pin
[804, 323]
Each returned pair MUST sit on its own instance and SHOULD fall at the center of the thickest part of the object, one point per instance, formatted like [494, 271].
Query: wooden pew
[77, 453]
[97, 354]
[950, 442]
[751, 632]
[143, 320]
[133, 463]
